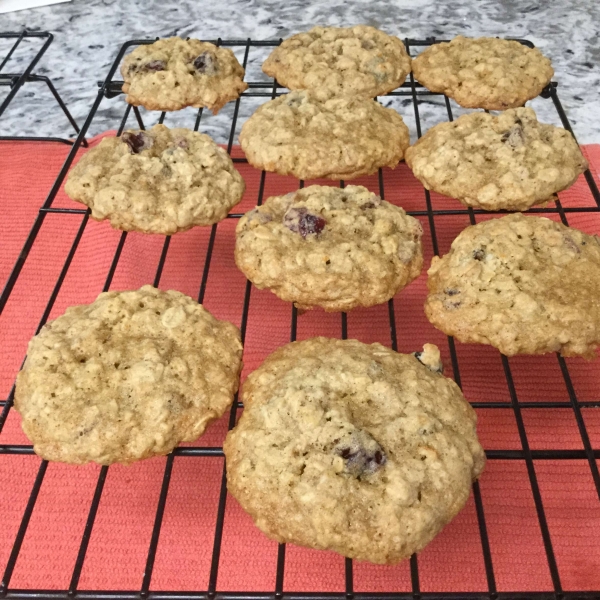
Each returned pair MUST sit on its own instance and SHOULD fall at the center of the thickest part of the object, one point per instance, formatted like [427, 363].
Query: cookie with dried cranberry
[127, 377]
[173, 73]
[484, 72]
[329, 247]
[353, 448]
[157, 181]
[525, 285]
[510, 161]
[340, 138]
[336, 61]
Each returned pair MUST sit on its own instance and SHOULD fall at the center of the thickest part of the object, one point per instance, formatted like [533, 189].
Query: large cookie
[157, 181]
[127, 377]
[525, 285]
[173, 73]
[506, 162]
[484, 72]
[340, 138]
[354, 448]
[333, 61]
[329, 247]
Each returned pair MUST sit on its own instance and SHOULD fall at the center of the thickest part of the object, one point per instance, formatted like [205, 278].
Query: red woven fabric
[121, 535]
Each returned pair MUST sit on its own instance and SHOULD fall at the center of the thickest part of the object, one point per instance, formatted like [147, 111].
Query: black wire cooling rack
[415, 95]
[38, 42]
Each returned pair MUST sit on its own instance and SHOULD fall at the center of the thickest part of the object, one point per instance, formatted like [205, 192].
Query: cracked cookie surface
[525, 285]
[329, 247]
[484, 72]
[510, 161]
[353, 448]
[126, 377]
[340, 138]
[157, 181]
[173, 73]
[333, 61]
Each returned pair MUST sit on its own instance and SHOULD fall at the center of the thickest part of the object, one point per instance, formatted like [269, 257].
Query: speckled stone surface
[89, 33]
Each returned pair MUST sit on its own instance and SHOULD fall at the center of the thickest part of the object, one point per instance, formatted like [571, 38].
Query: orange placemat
[119, 543]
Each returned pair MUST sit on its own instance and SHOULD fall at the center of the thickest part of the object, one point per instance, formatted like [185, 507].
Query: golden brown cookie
[157, 181]
[329, 247]
[340, 138]
[127, 377]
[353, 448]
[337, 61]
[173, 73]
[508, 162]
[484, 72]
[525, 285]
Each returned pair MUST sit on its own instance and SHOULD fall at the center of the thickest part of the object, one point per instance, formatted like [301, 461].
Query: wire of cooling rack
[15, 80]
[111, 88]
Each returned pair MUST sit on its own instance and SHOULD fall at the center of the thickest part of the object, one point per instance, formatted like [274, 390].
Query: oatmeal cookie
[525, 285]
[127, 377]
[506, 162]
[329, 247]
[157, 181]
[333, 61]
[340, 138]
[173, 73]
[353, 448]
[484, 72]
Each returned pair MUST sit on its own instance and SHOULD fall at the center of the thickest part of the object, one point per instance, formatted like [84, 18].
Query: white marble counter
[88, 34]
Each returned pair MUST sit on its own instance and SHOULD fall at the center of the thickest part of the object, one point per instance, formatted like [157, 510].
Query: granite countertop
[89, 33]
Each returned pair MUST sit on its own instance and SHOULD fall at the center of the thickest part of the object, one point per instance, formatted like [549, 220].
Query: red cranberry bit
[299, 220]
[205, 64]
[137, 141]
[156, 65]
[360, 461]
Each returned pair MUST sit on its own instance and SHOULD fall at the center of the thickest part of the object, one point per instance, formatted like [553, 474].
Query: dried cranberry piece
[299, 220]
[156, 65]
[137, 141]
[205, 63]
[360, 460]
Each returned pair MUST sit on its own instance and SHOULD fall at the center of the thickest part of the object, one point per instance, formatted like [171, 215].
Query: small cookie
[173, 73]
[341, 138]
[127, 377]
[484, 72]
[525, 285]
[506, 162]
[157, 181]
[329, 247]
[353, 448]
[333, 61]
